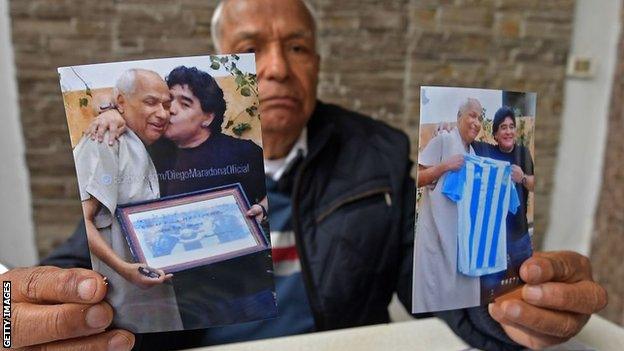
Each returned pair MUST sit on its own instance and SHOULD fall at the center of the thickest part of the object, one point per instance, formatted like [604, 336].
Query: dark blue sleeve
[478, 329]
[73, 253]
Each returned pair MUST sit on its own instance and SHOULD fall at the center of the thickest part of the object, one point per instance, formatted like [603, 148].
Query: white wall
[586, 106]
[17, 246]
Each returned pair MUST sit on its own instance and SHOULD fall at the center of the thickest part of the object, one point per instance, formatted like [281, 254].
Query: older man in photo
[124, 173]
[438, 285]
[343, 183]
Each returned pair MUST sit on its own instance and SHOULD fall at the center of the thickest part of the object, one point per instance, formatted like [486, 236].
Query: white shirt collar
[276, 168]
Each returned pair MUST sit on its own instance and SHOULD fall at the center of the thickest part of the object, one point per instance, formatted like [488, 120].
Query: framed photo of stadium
[177, 233]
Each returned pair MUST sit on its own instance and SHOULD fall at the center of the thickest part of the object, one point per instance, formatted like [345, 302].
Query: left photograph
[168, 156]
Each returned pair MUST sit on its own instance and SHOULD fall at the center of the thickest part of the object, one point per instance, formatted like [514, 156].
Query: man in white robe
[438, 285]
[124, 173]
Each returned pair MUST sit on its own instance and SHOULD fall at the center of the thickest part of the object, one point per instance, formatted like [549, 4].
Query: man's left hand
[557, 301]
[516, 173]
[256, 212]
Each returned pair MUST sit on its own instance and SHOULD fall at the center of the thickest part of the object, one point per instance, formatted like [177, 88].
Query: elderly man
[119, 174]
[352, 229]
[437, 283]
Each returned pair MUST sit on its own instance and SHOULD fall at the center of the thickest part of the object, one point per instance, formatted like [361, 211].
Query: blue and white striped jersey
[484, 193]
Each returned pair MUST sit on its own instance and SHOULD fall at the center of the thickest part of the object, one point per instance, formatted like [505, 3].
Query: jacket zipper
[319, 320]
[382, 190]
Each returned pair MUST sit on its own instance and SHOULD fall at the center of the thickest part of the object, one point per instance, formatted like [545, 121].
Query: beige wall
[607, 239]
[584, 128]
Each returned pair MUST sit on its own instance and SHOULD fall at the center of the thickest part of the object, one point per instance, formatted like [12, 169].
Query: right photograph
[475, 204]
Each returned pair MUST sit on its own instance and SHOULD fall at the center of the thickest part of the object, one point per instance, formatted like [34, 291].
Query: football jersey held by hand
[484, 194]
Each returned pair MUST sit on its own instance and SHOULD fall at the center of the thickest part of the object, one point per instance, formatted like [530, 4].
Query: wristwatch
[523, 180]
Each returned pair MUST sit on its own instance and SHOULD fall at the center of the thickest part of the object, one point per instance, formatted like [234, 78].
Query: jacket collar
[321, 129]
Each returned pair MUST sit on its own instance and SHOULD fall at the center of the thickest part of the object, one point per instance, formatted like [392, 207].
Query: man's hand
[443, 127]
[256, 212]
[454, 163]
[109, 121]
[62, 309]
[557, 301]
[132, 274]
[516, 173]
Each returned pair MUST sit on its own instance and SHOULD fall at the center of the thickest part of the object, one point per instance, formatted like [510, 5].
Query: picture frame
[177, 233]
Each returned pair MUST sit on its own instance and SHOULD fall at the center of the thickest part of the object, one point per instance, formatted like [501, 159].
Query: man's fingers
[40, 324]
[100, 131]
[584, 297]
[541, 321]
[121, 131]
[114, 340]
[561, 266]
[162, 276]
[254, 211]
[113, 134]
[91, 131]
[522, 335]
[55, 285]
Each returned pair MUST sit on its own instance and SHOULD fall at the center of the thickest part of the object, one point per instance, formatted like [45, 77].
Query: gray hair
[215, 23]
[126, 83]
[466, 104]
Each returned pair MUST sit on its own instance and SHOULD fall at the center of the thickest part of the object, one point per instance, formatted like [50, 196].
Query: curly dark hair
[499, 117]
[205, 88]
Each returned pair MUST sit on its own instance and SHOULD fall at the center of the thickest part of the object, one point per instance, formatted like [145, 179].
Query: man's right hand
[454, 163]
[62, 309]
[109, 121]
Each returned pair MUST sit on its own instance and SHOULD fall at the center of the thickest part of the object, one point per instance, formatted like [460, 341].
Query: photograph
[474, 202]
[168, 156]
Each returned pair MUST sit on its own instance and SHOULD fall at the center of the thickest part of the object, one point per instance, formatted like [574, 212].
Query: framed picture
[177, 233]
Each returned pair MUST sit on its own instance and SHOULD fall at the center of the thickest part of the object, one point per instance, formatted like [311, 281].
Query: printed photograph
[475, 196]
[168, 156]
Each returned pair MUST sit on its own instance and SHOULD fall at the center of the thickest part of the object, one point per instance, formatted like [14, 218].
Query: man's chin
[507, 146]
[280, 121]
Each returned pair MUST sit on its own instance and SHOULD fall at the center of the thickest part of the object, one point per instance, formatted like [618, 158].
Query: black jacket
[353, 214]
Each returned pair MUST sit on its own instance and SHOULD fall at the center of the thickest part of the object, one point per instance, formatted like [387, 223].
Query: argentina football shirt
[484, 194]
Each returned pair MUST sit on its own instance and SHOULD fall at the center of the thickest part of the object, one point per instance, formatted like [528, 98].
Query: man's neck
[278, 145]
[195, 141]
[506, 150]
[465, 141]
